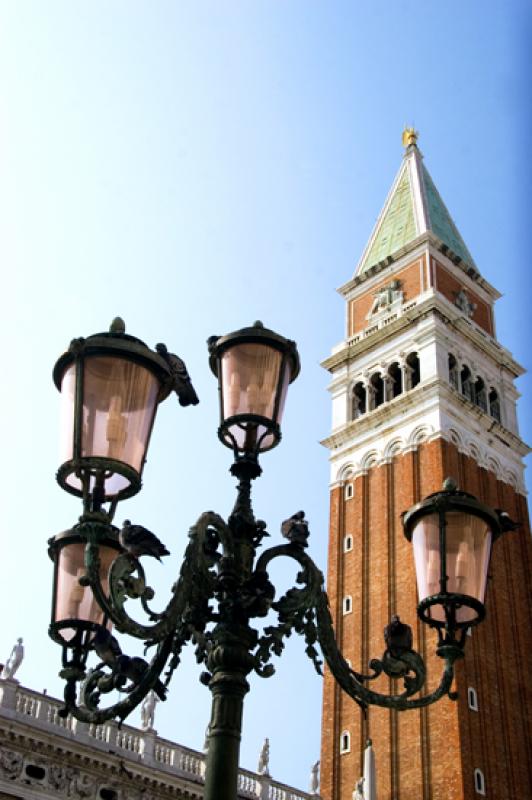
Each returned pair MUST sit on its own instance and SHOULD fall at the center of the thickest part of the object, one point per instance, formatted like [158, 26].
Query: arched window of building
[414, 372]
[472, 700]
[480, 783]
[347, 604]
[394, 381]
[494, 405]
[359, 402]
[481, 398]
[348, 491]
[376, 390]
[453, 372]
[348, 543]
[466, 383]
[345, 742]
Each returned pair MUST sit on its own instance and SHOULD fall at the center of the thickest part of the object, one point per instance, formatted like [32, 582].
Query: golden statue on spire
[410, 136]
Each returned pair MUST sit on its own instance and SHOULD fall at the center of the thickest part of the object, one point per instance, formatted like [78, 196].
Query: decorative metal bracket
[219, 590]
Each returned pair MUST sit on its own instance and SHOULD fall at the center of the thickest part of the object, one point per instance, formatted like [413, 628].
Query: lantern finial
[449, 485]
[117, 325]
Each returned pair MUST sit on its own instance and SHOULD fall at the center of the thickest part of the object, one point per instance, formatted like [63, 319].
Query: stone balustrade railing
[41, 711]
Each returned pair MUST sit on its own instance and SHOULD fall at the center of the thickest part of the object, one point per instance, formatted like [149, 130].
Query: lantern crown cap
[115, 342]
[450, 498]
[254, 334]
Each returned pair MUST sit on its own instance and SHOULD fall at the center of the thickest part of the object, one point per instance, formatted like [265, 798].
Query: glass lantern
[76, 614]
[110, 385]
[452, 534]
[254, 367]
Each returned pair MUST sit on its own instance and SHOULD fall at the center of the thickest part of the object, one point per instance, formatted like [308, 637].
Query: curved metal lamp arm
[131, 675]
[306, 611]
[190, 594]
[184, 619]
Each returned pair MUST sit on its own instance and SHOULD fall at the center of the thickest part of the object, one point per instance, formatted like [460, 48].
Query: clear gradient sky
[194, 166]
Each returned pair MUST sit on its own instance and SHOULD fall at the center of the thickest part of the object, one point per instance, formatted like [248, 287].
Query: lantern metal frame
[255, 334]
[108, 537]
[450, 499]
[222, 587]
[116, 343]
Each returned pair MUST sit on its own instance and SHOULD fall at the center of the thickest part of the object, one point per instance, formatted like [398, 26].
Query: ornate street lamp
[111, 385]
[452, 534]
[254, 367]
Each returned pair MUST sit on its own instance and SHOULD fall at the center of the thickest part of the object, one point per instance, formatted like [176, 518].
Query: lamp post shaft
[230, 662]
[221, 777]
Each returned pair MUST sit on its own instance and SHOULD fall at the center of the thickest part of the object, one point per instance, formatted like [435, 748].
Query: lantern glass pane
[68, 401]
[250, 382]
[468, 546]
[74, 601]
[119, 404]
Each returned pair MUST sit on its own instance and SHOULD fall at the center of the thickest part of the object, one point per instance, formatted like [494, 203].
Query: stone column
[370, 782]
[407, 377]
[370, 394]
[264, 782]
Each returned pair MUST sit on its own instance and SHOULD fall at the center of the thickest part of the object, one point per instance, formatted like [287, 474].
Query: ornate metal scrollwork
[306, 611]
[221, 588]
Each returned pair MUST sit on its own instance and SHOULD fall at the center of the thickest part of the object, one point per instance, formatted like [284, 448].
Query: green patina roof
[440, 221]
[397, 227]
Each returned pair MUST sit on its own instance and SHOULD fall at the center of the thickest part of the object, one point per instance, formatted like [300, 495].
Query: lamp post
[111, 385]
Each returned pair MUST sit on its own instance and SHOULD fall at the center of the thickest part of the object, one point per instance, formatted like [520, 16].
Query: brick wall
[449, 286]
[429, 754]
[412, 279]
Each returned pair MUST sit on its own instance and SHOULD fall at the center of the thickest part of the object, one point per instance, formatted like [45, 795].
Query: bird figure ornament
[124, 667]
[295, 529]
[505, 521]
[139, 541]
[134, 668]
[398, 637]
[181, 383]
[106, 647]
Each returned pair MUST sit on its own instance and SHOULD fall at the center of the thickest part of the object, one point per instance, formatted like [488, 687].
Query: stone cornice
[409, 252]
[447, 313]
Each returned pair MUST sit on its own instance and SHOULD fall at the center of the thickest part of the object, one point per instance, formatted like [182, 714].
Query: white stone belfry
[420, 360]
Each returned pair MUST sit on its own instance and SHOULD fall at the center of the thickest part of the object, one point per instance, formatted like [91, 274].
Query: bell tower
[421, 390]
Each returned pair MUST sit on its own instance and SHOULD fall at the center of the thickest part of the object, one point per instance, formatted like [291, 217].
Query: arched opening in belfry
[466, 383]
[453, 372]
[359, 401]
[412, 361]
[395, 380]
[494, 405]
[481, 397]
[376, 387]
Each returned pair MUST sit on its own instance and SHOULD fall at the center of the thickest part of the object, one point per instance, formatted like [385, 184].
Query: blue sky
[194, 167]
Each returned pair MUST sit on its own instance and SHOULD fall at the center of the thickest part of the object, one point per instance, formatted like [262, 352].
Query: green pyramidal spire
[413, 207]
